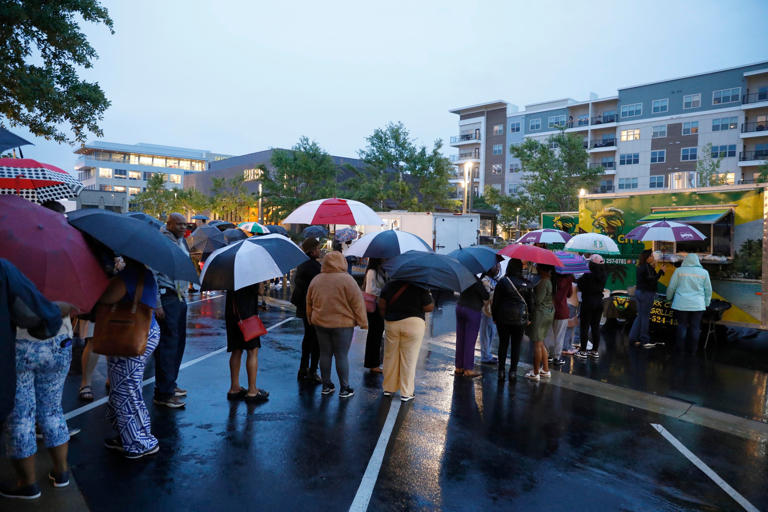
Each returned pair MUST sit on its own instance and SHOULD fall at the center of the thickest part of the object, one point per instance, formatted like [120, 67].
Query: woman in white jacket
[690, 291]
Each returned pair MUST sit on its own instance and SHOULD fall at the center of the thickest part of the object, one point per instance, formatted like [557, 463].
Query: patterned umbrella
[666, 231]
[254, 227]
[346, 234]
[334, 211]
[572, 263]
[544, 236]
[36, 181]
[531, 253]
[592, 243]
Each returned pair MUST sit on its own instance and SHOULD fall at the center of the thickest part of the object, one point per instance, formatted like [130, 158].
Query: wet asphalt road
[461, 445]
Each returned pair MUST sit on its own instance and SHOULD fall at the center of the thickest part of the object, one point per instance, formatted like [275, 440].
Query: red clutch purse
[252, 327]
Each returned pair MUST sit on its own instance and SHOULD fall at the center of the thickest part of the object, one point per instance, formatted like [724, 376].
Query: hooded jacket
[333, 297]
[690, 288]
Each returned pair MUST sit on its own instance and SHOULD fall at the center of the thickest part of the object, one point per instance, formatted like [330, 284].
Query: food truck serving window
[716, 224]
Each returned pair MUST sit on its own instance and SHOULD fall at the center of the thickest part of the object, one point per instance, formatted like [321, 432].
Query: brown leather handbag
[121, 329]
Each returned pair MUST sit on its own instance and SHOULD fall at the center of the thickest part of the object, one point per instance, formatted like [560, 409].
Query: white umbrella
[386, 244]
[334, 211]
[593, 243]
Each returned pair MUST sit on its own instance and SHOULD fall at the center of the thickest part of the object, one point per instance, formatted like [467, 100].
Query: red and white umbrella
[35, 181]
[334, 211]
[544, 236]
[666, 231]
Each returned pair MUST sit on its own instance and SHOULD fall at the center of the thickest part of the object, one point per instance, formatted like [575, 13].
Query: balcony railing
[466, 137]
[760, 126]
[604, 165]
[755, 97]
[604, 143]
[760, 154]
[604, 118]
[577, 123]
[602, 189]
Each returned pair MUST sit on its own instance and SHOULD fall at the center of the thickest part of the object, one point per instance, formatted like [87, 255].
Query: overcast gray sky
[242, 76]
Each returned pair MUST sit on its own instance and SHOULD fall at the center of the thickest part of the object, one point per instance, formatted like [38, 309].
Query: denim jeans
[173, 340]
[487, 332]
[640, 327]
[688, 330]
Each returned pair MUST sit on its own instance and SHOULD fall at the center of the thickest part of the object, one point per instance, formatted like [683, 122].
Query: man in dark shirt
[310, 350]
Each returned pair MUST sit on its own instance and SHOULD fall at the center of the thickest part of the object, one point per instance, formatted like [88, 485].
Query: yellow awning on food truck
[691, 216]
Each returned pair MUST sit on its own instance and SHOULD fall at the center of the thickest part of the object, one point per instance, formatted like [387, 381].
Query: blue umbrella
[199, 217]
[206, 239]
[157, 223]
[346, 235]
[476, 259]
[430, 270]
[315, 232]
[234, 235]
[273, 228]
[10, 140]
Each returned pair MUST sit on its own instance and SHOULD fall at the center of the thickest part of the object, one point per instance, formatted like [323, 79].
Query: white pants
[555, 337]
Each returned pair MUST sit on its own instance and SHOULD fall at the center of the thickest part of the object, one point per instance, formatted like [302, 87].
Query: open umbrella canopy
[430, 270]
[250, 261]
[386, 244]
[36, 181]
[137, 240]
[572, 263]
[334, 211]
[207, 239]
[10, 140]
[314, 231]
[254, 227]
[221, 224]
[592, 243]
[666, 231]
[346, 235]
[531, 253]
[476, 259]
[199, 217]
[274, 228]
[544, 236]
[157, 223]
[50, 252]
[234, 235]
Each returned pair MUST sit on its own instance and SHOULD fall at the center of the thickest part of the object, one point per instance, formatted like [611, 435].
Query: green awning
[688, 216]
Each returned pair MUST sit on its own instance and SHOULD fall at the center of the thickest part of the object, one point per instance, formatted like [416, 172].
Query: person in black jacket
[310, 349]
[591, 286]
[511, 310]
[468, 313]
[645, 293]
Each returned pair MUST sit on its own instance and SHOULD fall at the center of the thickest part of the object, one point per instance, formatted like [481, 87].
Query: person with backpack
[511, 311]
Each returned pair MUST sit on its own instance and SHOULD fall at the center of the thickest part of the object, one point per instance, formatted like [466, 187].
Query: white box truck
[444, 232]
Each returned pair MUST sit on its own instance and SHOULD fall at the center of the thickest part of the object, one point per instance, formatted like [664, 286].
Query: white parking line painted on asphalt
[101, 401]
[741, 500]
[364, 492]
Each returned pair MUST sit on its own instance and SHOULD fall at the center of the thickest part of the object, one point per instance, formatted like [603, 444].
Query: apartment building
[648, 136]
[112, 167]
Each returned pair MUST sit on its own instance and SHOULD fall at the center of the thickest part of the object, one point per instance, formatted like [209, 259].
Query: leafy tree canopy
[40, 47]
[708, 168]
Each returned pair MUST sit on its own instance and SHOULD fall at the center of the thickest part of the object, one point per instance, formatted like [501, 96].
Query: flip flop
[86, 394]
[238, 395]
[260, 396]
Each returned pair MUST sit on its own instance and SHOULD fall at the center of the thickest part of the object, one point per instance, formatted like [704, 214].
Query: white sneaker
[545, 375]
[532, 376]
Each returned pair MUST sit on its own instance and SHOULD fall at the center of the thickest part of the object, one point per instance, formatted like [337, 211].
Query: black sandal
[85, 394]
[238, 395]
[260, 396]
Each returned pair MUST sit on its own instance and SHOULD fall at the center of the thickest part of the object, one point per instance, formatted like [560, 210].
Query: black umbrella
[274, 228]
[314, 231]
[221, 224]
[430, 270]
[10, 140]
[137, 240]
[206, 239]
[157, 223]
[199, 217]
[234, 235]
[476, 259]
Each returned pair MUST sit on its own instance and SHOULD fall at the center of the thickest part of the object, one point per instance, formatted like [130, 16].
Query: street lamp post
[466, 186]
[517, 223]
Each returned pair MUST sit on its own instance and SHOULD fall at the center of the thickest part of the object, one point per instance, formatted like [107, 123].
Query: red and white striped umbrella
[544, 236]
[334, 211]
[35, 181]
[666, 231]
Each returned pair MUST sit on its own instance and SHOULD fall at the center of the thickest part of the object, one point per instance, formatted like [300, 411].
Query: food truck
[734, 219]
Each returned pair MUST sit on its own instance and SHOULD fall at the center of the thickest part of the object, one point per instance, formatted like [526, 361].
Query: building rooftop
[763, 63]
[148, 149]
[491, 105]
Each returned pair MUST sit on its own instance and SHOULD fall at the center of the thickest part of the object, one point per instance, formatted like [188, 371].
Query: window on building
[658, 156]
[174, 178]
[133, 190]
[627, 183]
[632, 110]
[498, 149]
[104, 172]
[606, 186]
[118, 188]
[185, 164]
[534, 124]
[727, 178]
[688, 154]
[629, 158]
[158, 161]
[514, 188]
[553, 144]
[658, 106]
[582, 120]
[608, 162]
[514, 167]
[120, 173]
[732, 95]
[173, 163]
[496, 169]
[556, 121]
[134, 175]
[105, 188]
[514, 126]
[724, 151]
[147, 175]
[145, 160]
[659, 131]
[692, 101]
[627, 135]
[691, 128]
[656, 182]
[722, 124]
[498, 129]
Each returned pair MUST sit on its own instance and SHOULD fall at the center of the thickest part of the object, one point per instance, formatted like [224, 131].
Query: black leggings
[510, 336]
[589, 318]
[373, 341]
[310, 350]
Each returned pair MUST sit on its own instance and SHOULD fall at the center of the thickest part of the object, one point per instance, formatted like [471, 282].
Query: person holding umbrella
[645, 293]
[242, 304]
[511, 310]
[543, 316]
[310, 350]
[374, 282]
[335, 306]
[591, 286]
[468, 314]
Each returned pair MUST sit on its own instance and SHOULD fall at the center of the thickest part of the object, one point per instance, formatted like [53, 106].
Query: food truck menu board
[663, 321]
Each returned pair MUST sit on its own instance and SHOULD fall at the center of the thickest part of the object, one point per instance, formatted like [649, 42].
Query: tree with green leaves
[708, 168]
[155, 199]
[303, 173]
[761, 176]
[231, 199]
[552, 174]
[41, 47]
[189, 201]
[509, 206]
[398, 172]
